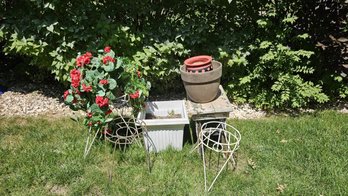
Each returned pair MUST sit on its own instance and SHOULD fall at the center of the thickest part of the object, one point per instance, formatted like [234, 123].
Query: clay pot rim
[216, 67]
[202, 59]
[201, 77]
[198, 68]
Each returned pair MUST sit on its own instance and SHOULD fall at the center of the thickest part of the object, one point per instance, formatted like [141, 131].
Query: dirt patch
[242, 163]
[11, 142]
[169, 116]
[57, 189]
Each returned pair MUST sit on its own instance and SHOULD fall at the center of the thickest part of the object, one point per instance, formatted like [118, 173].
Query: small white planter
[164, 131]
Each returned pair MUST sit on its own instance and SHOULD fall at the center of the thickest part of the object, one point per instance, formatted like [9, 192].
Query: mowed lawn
[304, 155]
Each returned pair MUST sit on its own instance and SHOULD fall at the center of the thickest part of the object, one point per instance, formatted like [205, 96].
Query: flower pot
[166, 127]
[202, 87]
[198, 63]
[201, 69]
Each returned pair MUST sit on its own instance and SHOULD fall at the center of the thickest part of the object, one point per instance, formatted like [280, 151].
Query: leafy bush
[270, 74]
[161, 63]
[277, 66]
[276, 54]
[50, 32]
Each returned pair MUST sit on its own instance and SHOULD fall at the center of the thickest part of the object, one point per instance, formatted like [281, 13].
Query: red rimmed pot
[201, 69]
[202, 87]
[198, 63]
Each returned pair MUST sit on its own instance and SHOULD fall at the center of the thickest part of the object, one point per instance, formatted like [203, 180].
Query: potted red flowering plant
[96, 83]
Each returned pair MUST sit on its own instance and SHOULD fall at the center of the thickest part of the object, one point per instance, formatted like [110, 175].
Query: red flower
[86, 88]
[84, 59]
[88, 55]
[108, 112]
[134, 95]
[101, 101]
[90, 124]
[107, 49]
[80, 61]
[103, 82]
[87, 60]
[107, 59]
[66, 93]
[139, 74]
[89, 114]
[75, 76]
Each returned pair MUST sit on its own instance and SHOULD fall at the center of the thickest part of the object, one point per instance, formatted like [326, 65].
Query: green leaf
[53, 53]
[101, 93]
[49, 5]
[95, 109]
[262, 23]
[111, 53]
[109, 120]
[245, 80]
[50, 28]
[338, 78]
[110, 67]
[265, 44]
[95, 62]
[112, 83]
[89, 75]
[69, 98]
[118, 63]
[290, 19]
[111, 96]
[303, 36]
[101, 86]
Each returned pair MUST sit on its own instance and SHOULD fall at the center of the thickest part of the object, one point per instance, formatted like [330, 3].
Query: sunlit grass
[305, 155]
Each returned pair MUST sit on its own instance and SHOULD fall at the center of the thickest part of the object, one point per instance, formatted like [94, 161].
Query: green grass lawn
[306, 155]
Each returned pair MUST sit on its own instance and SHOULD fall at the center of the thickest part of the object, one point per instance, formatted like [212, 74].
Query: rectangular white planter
[164, 132]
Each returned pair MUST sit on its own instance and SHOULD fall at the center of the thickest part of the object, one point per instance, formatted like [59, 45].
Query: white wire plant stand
[122, 131]
[221, 138]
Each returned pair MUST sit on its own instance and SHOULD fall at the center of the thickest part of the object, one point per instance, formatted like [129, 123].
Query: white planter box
[164, 132]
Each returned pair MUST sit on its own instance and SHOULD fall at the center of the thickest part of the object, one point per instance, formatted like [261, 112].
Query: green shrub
[50, 32]
[161, 64]
[276, 54]
[271, 70]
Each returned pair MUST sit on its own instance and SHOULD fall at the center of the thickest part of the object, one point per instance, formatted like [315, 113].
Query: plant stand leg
[198, 130]
[89, 142]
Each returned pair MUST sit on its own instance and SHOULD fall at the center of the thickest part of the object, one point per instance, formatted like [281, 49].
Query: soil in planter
[169, 116]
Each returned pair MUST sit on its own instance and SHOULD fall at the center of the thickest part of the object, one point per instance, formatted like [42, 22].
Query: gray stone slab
[219, 108]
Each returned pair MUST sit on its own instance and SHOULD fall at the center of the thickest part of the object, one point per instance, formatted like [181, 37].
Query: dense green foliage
[276, 54]
[305, 155]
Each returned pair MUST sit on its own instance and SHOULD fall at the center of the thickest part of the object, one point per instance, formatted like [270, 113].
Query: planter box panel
[164, 132]
[164, 137]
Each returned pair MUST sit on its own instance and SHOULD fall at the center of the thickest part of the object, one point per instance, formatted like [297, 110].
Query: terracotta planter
[198, 63]
[202, 87]
[199, 69]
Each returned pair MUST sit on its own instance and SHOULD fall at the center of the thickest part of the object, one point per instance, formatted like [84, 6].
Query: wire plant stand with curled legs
[118, 106]
[125, 132]
[221, 138]
[122, 131]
